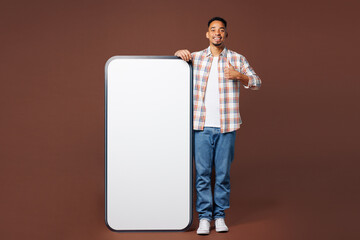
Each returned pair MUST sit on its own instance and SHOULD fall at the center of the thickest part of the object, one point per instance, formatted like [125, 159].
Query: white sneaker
[204, 227]
[220, 225]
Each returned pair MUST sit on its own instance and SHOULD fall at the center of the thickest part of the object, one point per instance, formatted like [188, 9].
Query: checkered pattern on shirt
[229, 90]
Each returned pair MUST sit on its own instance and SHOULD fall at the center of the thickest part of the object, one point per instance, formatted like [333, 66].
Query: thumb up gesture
[230, 72]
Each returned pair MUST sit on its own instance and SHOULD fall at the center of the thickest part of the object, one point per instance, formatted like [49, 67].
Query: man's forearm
[243, 78]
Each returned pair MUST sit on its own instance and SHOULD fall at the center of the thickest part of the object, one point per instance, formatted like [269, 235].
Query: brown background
[296, 168]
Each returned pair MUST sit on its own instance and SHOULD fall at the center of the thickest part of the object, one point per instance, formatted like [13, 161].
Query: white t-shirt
[212, 99]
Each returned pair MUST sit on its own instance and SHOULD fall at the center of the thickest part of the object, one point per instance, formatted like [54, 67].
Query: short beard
[217, 44]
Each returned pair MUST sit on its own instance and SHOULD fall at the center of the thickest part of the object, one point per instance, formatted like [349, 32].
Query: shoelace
[220, 222]
[204, 223]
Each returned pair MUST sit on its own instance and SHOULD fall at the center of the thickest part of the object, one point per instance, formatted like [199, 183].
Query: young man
[218, 76]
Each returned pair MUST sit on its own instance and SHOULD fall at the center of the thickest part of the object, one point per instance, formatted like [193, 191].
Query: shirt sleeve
[192, 56]
[254, 80]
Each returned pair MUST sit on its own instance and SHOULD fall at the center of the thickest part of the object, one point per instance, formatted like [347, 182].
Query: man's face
[216, 33]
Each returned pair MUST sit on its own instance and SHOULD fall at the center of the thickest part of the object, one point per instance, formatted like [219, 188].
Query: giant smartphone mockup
[148, 143]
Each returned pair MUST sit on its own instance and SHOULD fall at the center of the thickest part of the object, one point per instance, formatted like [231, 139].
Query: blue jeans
[212, 148]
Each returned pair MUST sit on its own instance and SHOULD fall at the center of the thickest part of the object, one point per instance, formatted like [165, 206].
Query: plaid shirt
[229, 90]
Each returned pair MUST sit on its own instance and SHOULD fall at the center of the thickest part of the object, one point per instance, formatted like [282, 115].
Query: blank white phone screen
[148, 132]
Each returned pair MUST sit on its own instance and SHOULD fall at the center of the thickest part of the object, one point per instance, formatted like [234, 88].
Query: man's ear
[207, 35]
[226, 34]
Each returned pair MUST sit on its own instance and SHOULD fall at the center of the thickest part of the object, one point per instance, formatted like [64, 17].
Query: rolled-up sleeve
[254, 80]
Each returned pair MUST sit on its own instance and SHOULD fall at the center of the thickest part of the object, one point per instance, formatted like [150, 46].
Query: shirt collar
[223, 53]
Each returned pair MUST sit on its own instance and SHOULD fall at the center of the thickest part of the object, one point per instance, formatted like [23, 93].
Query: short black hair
[217, 19]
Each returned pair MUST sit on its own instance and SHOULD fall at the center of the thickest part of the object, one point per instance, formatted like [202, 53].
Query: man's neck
[216, 50]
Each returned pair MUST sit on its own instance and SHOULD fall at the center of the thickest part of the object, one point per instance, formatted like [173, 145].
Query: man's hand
[183, 54]
[230, 72]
